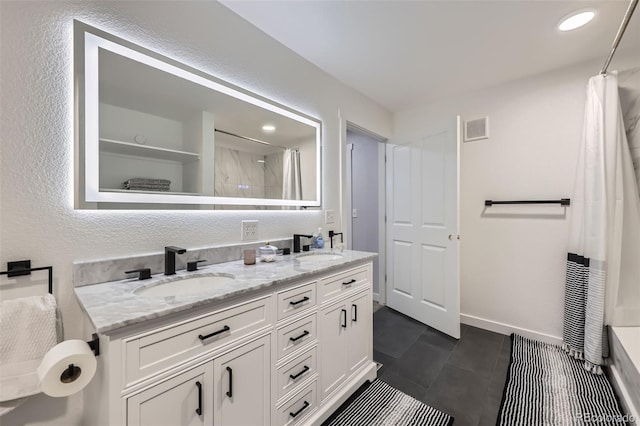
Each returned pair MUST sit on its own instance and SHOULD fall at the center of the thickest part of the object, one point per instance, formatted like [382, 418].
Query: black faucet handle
[193, 266]
[145, 273]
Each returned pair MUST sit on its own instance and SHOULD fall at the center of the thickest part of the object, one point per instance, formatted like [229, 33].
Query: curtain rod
[250, 139]
[621, 30]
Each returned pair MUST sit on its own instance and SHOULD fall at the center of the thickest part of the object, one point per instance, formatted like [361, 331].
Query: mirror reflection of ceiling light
[268, 128]
[576, 20]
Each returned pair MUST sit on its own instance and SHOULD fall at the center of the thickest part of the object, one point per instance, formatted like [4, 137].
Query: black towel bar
[562, 202]
[23, 267]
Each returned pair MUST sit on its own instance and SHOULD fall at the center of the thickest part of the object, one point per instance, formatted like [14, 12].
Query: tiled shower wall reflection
[246, 175]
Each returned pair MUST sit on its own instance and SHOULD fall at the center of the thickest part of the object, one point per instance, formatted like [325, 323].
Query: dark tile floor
[464, 378]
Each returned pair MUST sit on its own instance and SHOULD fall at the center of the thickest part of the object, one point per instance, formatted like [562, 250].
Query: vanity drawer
[162, 348]
[335, 285]
[296, 371]
[297, 299]
[296, 335]
[299, 407]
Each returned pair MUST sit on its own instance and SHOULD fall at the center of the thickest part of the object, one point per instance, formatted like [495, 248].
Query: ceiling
[406, 53]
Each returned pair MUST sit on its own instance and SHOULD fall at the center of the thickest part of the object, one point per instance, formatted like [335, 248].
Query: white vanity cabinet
[288, 354]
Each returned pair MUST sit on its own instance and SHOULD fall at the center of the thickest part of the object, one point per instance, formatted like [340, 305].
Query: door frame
[381, 296]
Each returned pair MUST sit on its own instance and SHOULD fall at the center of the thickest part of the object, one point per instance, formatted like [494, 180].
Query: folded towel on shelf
[147, 184]
[147, 181]
[28, 329]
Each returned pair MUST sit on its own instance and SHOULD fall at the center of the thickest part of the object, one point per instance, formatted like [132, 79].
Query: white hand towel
[27, 332]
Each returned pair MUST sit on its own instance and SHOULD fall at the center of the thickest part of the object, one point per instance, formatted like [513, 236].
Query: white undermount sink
[185, 286]
[318, 257]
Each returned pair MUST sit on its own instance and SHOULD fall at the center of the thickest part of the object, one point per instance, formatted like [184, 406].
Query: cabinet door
[334, 321]
[359, 349]
[182, 400]
[242, 384]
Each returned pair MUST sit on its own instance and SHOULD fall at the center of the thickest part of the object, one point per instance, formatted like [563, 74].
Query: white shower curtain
[292, 177]
[604, 236]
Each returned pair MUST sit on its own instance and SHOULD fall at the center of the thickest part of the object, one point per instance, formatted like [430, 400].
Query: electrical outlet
[249, 230]
[329, 216]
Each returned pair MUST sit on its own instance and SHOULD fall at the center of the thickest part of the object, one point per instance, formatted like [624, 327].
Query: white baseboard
[625, 397]
[376, 297]
[507, 329]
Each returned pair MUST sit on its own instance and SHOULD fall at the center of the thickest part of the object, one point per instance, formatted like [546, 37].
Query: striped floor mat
[381, 404]
[545, 386]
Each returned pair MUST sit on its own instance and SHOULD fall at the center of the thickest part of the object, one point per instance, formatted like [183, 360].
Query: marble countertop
[113, 305]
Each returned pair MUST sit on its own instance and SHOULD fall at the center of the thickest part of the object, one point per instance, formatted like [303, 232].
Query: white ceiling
[405, 53]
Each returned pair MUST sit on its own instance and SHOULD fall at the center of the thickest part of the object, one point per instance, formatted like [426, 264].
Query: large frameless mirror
[155, 133]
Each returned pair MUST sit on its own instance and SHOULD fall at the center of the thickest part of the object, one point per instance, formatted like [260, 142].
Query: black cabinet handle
[199, 409]
[304, 333]
[354, 310]
[349, 282]
[304, 299]
[222, 330]
[344, 318]
[295, 376]
[304, 406]
[230, 391]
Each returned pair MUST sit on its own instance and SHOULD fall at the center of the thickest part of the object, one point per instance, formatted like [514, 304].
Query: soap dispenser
[319, 239]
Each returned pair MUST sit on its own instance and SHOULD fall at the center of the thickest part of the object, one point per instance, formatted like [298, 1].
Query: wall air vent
[476, 129]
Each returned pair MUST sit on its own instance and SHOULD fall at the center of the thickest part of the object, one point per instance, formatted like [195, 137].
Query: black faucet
[333, 234]
[170, 259]
[296, 241]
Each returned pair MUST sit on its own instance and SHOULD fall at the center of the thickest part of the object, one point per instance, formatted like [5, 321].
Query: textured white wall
[513, 257]
[37, 219]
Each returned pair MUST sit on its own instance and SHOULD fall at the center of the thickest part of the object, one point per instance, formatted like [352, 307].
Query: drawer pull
[304, 333]
[230, 391]
[304, 299]
[199, 409]
[304, 370]
[344, 318]
[222, 330]
[349, 282]
[354, 311]
[304, 406]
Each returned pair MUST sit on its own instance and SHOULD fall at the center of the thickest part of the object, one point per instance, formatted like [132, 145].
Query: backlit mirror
[155, 133]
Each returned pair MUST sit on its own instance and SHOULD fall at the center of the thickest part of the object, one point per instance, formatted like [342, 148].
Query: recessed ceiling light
[576, 20]
[268, 128]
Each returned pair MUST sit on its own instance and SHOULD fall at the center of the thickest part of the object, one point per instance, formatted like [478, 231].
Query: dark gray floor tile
[490, 411]
[477, 351]
[383, 358]
[500, 370]
[460, 393]
[403, 384]
[421, 363]
[438, 338]
[394, 333]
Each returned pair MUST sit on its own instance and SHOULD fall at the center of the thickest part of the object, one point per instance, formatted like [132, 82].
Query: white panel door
[333, 325]
[422, 229]
[359, 350]
[182, 400]
[242, 384]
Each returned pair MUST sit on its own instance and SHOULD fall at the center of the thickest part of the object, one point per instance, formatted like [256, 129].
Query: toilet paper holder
[94, 344]
[72, 372]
